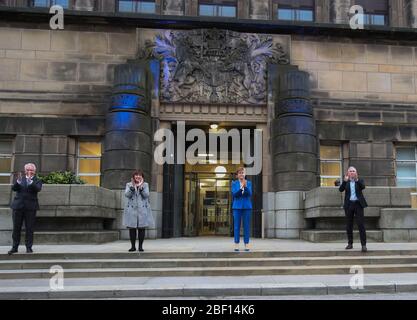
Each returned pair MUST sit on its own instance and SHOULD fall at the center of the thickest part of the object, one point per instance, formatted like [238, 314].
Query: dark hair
[138, 172]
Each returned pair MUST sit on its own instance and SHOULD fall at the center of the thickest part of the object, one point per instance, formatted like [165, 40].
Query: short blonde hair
[240, 169]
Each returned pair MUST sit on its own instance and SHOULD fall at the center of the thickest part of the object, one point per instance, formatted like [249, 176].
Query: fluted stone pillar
[173, 7]
[411, 13]
[259, 9]
[294, 142]
[84, 5]
[339, 11]
[128, 138]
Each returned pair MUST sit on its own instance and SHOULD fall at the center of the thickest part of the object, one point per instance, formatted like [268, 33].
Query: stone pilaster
[128, 138]
[173, 7]
[294, 141]
[259, 9]
[339, 11]
[85, 5]
[411, 13]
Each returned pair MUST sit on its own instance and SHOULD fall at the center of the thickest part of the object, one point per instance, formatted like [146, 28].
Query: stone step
[231, 287]
[74, 237]
[206, 271]
[200, 254]
[339, 236]
[204, 262]
[338, 212]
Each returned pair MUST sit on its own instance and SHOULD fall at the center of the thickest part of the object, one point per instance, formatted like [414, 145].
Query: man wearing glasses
[25, 205]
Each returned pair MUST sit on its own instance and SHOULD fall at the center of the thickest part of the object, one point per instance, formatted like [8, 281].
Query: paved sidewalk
[211, 244]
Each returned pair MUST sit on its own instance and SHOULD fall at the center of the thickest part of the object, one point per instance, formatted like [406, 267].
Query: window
[330, 165]
[217, 8]
[49, 3]
[406, 167]
[5, 161]
[406, 162]
[89, 162]
[375, 12]
[136, 6]
[294, 10]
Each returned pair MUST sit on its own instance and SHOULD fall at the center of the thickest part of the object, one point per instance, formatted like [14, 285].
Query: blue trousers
[238, 216]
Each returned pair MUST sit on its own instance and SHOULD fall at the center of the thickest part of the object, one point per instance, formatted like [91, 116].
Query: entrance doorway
[197, 198]
[207, 204]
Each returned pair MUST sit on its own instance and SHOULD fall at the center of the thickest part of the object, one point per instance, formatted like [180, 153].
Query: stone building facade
[325, 96]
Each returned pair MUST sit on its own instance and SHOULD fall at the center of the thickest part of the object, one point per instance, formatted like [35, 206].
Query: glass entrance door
[214, 209]
[207, 205]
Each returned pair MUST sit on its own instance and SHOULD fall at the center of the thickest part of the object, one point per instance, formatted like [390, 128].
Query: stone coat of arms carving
[214, 66]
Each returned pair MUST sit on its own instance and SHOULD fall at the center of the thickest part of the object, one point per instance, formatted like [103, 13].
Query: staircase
[119, 267]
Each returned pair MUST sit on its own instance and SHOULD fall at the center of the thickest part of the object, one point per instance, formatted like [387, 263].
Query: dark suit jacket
[26, 197]
[359, 186]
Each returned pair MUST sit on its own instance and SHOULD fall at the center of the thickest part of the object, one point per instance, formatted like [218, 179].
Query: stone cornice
[41, 15]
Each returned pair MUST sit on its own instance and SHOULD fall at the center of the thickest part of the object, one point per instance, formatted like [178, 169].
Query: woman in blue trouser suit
[242, 207]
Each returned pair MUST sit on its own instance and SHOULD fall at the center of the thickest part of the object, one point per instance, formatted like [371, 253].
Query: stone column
[294, 142]
[259, 9]
[173, 7]
[84, 5]
[339, 11]
[128, 138]
[411, 12]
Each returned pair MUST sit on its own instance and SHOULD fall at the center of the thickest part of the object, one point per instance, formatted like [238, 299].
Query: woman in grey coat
[137, 212]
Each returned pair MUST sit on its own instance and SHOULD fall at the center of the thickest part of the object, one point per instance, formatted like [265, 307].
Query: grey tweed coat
[137, 211]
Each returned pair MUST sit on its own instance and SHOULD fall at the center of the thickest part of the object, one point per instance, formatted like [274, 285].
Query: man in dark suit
[354, 205]
[25, 205]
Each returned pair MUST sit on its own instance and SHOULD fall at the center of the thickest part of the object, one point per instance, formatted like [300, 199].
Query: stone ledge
[76, 212]
[375, 197]
[338, 235]
[398, 218]
[337, 212]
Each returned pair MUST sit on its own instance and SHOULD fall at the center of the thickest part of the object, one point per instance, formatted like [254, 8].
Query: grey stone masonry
[399, 224]
[67, 211]
[294, 142]
[128, 139]
[339, 11]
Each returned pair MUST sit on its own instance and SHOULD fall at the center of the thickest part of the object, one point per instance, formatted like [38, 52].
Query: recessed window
[5, 161]
[375, 12]
[136, 6]
[406, 167]
[49, 3]
[294, 10]
[406, 170]
[330, 165]
[89, 162]
[213, 8]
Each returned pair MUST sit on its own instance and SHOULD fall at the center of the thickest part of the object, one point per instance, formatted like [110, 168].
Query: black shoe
[13, 251]
[29, 250]
[133, 249]
[364, 249]
[141, 250]
[349, 247]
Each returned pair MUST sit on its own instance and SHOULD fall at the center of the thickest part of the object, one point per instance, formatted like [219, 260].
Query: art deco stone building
[90, 97]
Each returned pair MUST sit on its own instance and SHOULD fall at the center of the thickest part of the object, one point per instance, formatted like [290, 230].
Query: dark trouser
[29, 218]
[355, 210]
[141, 236]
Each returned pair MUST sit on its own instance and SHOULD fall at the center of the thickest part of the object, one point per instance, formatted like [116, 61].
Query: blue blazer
[241, 201]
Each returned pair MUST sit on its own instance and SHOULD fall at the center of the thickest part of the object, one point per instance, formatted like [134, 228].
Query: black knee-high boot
[132, 235]
[141, 233]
